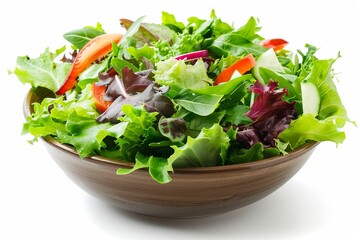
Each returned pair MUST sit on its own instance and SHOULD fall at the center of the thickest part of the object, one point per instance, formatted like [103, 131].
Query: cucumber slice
[310, 98]
[267, 60]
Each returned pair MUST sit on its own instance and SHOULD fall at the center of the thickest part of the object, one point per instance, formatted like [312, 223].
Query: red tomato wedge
[98, 97]
[96, 48]
[275, 43]
[242, 66]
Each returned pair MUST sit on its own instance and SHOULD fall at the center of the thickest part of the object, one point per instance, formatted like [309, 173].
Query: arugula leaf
[249, 30]
[237, 156]
[143, 52]
[239, 42]
[255, 153]
[236, 115]
[268, 74]
[42, 71]
[170, 21]
[120, 64]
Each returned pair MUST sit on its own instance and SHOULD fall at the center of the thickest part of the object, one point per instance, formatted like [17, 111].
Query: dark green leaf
[80, 37]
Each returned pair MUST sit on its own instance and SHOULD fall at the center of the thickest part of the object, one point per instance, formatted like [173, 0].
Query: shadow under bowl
[193, 192]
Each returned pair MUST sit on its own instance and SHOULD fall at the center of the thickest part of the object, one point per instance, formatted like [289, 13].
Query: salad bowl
[193, 191]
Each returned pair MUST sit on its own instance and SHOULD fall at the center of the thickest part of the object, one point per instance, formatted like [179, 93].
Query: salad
[194, 94]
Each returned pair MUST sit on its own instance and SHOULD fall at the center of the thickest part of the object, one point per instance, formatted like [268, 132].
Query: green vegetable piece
[173, 72]
[310, 98]
[308, 128]
[199, 104]
[173, 128]
[209, 148]
[267, 60]
[80, 37]
[42, 71]
[331, 108]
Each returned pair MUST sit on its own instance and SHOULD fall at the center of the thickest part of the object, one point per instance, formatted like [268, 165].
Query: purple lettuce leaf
[135, 89]
[270, 114]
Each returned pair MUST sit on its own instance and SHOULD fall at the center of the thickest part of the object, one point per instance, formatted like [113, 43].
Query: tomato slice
[242, 66]
[96, 48]
[275, 43]
[98, 97]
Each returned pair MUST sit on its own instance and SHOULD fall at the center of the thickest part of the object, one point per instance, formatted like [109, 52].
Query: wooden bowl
[193, 192]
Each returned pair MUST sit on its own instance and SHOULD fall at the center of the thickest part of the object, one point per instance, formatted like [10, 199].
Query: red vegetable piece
[193, 55]
[95, 49]
[275, 43]
[242, 66]
[98, 97]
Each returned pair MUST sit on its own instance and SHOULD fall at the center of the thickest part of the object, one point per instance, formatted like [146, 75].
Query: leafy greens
[165, 113]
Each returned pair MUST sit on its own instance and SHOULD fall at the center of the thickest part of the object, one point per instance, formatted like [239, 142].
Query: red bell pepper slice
[98, 97]
[275, 43]
[242, 66]
[96, 48]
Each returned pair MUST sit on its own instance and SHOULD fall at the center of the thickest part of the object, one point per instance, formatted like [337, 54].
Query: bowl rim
[27, 109]
[224, 168]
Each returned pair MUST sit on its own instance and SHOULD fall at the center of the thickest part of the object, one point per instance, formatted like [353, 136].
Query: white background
[37, 201]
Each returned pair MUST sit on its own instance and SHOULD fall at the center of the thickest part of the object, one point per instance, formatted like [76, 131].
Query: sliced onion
[193, 55]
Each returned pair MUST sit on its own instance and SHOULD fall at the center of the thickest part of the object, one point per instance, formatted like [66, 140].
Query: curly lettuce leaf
[308, 128]
[139, 121]
[331, 107]
[87, 135]
[72, 121]
[209, 148]
[177, 73]
[42, 71]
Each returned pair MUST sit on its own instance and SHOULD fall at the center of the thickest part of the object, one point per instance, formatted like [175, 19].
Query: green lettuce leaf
[158, 167]
[42, 71]
[209, 148]
[139, 121]
[173, 72]
[87, 135]
[331, 107]
[308, 128]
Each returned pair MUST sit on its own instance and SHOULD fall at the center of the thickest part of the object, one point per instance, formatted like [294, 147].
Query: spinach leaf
[200, 104]
[235, 44]
[80, 37]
